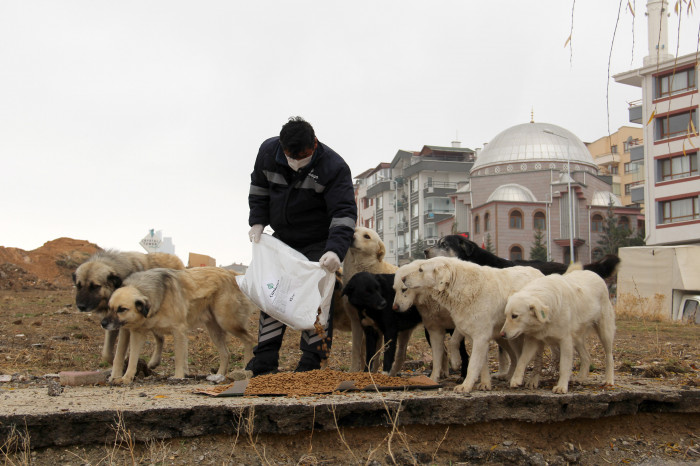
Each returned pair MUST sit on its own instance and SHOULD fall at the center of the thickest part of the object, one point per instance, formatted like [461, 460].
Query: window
[678, 124]
[674, 83]
[624, 222]
[680, 210]
[516, 253]
[477, 226]
[597, 223]
[516, 220]
[681, 166]
[629, 143]
[366, 202]
[414, 210]
[614, 170]
[380, 224]
[539, 221]
[597, 254]
[613, 149]
[380, 203]
[487, 222]
[414, 185]
[414, 235]
[632, 167]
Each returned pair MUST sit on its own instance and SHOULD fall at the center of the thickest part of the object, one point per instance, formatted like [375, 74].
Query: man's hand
[255, 232]
[330, 261]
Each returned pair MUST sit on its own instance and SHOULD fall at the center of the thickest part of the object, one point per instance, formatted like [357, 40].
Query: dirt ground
[41, 333]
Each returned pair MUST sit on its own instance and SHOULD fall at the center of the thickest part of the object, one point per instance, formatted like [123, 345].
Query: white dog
[475, 297]
[560, 310]
[366, 254]
[436, 319]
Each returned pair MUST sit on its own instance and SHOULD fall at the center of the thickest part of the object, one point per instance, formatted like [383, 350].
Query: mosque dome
[534, 142]
[603, 198]
[512, 193]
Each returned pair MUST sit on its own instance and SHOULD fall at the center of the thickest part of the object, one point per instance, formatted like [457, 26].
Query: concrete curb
[76, 418]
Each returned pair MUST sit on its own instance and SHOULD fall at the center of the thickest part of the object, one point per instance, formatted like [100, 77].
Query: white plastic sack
[286, 285]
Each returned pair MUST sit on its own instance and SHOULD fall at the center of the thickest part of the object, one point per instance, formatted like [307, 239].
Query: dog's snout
[105, 323]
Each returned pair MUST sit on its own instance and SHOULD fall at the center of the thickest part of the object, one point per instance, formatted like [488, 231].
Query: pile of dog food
[322, 381]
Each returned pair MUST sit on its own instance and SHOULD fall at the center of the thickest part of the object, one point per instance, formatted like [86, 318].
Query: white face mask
[297, 165]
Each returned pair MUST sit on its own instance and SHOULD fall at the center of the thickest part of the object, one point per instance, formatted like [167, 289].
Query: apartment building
[621, 155]
[668, 113]
[410, 197]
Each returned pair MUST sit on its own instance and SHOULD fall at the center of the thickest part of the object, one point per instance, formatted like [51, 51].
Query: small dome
[541, 142]
[602, 198]
[512, 193]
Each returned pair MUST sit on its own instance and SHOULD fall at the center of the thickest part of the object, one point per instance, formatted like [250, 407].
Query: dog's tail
[605, 267]
[573, 267]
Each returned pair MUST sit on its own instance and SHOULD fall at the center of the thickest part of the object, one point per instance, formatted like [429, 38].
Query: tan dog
[366, 254]
[96, 279]
[174, 301]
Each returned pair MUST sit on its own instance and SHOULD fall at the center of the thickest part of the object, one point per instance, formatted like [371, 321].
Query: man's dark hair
[297, 135]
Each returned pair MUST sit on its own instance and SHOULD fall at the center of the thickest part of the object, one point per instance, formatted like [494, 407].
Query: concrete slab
[82, 415]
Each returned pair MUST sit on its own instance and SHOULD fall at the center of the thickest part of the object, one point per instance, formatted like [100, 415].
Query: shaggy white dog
[561, 310]
[475, 297]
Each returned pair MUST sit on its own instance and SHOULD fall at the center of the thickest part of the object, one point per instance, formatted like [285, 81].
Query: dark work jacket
[315, 204]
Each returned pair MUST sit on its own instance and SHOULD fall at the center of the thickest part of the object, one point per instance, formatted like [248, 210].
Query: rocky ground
[42, 333]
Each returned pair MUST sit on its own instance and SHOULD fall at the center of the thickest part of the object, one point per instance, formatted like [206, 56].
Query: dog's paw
[484, 386]
[216, 378]
[560, 389]
[462, 389]
[533, 382]
[515, 383]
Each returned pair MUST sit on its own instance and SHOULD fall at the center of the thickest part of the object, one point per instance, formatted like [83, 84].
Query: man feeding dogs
[304, 191]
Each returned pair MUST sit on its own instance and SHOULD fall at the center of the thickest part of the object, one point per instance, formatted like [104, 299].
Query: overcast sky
[119, 117]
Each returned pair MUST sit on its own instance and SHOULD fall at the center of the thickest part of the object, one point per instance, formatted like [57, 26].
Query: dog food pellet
[318, 381]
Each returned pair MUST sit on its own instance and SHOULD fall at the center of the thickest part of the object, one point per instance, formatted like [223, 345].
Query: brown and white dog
[96, 279]
[174, 301]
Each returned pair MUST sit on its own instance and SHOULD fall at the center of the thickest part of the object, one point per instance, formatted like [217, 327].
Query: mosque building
[520, 183]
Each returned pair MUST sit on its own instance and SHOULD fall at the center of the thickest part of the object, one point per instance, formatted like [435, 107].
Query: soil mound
[47, 267]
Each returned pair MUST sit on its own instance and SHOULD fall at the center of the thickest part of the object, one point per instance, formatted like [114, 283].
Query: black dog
[373, 297]
[466, 250]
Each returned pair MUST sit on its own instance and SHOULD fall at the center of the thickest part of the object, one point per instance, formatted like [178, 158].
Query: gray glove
[329, 261]
[255, 232]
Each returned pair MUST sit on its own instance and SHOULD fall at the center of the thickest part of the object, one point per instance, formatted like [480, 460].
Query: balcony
[402, 227]
[635, 111]
[637, 152]
[637, 194]
[432, 215]
[608, 160]
[438, 188]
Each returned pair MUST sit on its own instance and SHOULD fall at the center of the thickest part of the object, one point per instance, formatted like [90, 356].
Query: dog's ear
[542, 313]
[442, 276]
[115, 280]
[381, 251]
[347, 289]
[467, 247]
[142, 306]
[73, 277]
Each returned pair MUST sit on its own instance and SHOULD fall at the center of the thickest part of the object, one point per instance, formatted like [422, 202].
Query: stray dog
[174, 301]
[96, 279]
[475, 297]
[366, 254]
[373, 296]
[437, 321]
[461, 247]
[560, 310]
